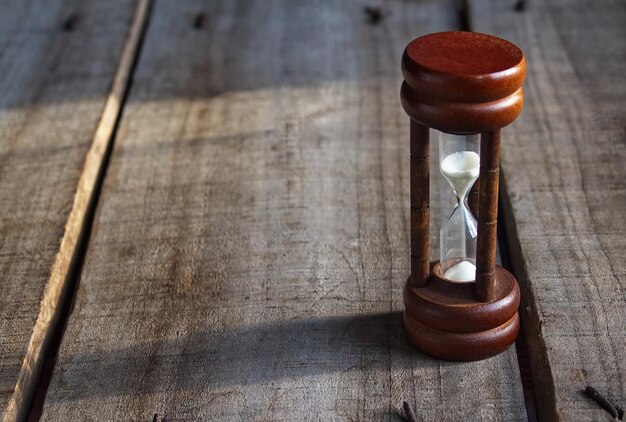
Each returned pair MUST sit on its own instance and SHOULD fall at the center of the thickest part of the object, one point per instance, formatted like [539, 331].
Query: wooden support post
[487, 216]
[420, 192]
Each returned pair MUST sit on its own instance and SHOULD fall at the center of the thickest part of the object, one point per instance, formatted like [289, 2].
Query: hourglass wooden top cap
[463, 66]
[469, 77]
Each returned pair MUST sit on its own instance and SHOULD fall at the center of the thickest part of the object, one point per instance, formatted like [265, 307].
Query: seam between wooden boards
[508, 246]
[558, 396]
[283, 167]
[509, 250]
[56, 294]
[542, 380]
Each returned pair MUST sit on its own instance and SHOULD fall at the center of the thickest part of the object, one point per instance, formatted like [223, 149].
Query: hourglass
[459, 162]
[466, 87]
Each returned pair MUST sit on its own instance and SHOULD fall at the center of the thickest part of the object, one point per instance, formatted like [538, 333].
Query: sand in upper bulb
[461, 169]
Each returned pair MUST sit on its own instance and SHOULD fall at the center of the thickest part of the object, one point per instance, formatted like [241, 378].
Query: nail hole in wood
[374, 14]
[199, 21]
[71, 23]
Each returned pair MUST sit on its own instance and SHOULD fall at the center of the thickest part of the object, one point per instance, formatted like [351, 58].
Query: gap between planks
[505, 254]
[59, 287]
[521, 344]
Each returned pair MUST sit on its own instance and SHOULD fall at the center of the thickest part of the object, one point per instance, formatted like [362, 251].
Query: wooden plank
[58, 60]
[563, 163]
[251, 243]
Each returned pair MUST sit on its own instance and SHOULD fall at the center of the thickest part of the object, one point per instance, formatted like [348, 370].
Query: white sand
[461, 169]
[464, 271]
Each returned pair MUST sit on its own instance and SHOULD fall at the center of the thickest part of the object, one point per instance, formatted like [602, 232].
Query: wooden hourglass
[462, 84]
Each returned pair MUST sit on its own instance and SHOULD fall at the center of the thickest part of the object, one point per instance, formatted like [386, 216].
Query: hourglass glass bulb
[461, 170]
[460, 165]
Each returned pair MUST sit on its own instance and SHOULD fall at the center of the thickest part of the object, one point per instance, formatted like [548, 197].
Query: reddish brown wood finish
[460, 82]
[487, 216]
[462, 346]
[461, 117]
[451, 306]
[463, 67]
[420, 192]
[444, 320]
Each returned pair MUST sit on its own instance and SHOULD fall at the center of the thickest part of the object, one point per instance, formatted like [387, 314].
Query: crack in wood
[62, 284]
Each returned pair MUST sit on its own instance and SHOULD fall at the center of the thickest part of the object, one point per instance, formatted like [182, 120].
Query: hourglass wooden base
[442, 319]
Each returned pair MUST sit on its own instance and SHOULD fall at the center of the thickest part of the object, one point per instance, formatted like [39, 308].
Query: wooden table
[205, 212]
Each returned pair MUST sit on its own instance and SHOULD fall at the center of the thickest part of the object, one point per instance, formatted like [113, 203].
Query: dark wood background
[205, 212]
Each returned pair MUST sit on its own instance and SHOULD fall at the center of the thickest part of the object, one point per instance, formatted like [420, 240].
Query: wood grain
[563, 165]
[57, 63]
[252, 238]
[486, 241]
[420, 199]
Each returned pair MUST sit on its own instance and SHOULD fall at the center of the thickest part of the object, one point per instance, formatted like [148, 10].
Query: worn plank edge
[542, 379]
[547, 376]
[56, 288]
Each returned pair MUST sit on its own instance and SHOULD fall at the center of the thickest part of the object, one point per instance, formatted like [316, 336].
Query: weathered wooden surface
[251, 242]
[563, 163]
[57, 61]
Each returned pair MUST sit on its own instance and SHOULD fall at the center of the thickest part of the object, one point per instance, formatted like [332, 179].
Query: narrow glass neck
[461, 201]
